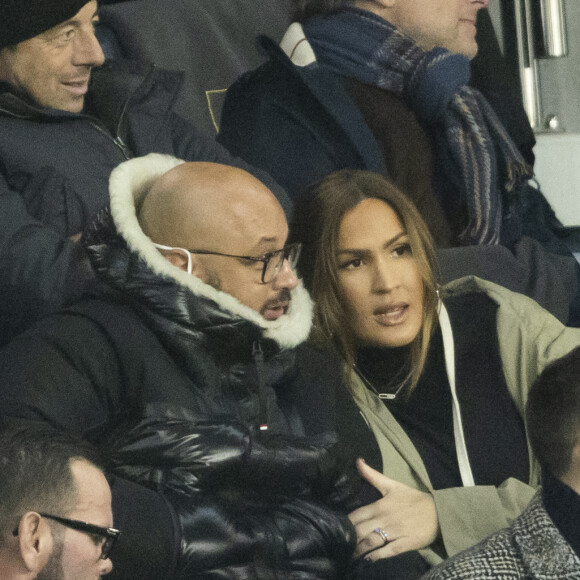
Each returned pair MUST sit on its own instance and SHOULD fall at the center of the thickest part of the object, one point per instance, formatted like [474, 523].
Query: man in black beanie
[52, 51]
[66, 120]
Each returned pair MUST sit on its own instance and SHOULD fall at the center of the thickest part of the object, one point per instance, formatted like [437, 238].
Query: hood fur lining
[128, 185]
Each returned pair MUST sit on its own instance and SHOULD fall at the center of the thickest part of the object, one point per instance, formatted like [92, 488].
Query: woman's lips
[392, 314]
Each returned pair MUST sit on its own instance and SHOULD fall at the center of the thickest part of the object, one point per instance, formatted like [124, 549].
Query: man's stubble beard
[213, 280]
[53, 569]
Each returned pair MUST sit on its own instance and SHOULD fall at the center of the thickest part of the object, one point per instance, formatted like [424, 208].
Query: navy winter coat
[54, 173]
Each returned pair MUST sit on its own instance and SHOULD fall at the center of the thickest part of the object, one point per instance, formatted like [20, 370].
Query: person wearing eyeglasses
[55, 513]
[191, 371]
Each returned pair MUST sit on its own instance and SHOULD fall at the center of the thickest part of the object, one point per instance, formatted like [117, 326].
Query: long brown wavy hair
[316, 223]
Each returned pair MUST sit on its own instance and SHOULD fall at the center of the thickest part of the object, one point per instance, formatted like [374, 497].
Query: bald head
[196, 203]
[229, 216]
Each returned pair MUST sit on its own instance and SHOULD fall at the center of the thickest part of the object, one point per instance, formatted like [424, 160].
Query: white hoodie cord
[449, 350]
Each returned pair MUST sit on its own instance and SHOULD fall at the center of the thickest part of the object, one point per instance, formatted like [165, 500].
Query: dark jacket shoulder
[318, 127]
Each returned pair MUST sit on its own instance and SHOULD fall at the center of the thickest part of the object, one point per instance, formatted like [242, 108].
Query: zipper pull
[123, 147]
[258, 355]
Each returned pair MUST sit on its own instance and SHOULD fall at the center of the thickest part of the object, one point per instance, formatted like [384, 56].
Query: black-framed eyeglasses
[110, 534]
[272, 261]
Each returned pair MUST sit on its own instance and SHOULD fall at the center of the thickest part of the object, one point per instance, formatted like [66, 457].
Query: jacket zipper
[258, 355]
[118, 141]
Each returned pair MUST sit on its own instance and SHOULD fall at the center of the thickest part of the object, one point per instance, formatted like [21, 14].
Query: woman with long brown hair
[440, 374]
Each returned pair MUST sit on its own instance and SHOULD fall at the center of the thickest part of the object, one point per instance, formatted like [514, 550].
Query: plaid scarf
[475, 156]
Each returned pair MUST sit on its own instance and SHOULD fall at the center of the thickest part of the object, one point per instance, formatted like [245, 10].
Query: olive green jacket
[529, 339]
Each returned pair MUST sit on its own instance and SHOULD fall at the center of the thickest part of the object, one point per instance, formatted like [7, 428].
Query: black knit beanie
[24, 19]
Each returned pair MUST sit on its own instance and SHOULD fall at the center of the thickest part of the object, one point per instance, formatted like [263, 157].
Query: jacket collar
[111, 87]
[329, 89]
[16, 105]
[114, 84]
[542, 547]
[128, 184]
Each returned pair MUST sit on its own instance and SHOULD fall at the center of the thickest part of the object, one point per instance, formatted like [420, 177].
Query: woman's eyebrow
[354, 251]
[395, 239]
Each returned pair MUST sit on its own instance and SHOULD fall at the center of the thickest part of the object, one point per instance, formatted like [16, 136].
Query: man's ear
[35, 541]
[177, 257]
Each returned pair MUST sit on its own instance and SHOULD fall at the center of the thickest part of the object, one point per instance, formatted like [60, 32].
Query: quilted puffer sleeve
[174, 450]
[244, 501]
[253, 538]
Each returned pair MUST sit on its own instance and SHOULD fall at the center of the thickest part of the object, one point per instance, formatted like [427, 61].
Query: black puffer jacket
[174, 379]
[54, 172]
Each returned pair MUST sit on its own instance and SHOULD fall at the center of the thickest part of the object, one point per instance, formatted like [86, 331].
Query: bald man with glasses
[191, 370]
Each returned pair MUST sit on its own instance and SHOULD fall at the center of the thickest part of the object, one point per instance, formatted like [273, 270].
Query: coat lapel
[329, 90]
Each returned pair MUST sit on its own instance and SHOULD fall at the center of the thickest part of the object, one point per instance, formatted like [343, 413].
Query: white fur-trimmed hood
[128, 184]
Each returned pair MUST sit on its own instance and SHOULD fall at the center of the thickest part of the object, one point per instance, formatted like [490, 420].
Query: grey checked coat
[532, 548]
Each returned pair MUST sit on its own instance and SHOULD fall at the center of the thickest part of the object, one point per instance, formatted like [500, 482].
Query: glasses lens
[293, 254]
[107, 547]
[274, 264]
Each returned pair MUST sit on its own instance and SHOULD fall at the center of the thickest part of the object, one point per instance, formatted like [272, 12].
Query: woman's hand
[407, 515]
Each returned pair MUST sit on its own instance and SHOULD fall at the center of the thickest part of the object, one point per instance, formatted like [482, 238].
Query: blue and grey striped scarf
[471, 144]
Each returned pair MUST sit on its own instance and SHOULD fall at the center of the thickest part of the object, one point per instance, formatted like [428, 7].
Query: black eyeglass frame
[110, 534]
[265, 259]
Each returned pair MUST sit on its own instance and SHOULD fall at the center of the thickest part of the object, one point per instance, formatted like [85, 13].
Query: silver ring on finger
[383, 535]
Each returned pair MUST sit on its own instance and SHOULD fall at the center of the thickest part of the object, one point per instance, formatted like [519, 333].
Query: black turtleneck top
[493, 428]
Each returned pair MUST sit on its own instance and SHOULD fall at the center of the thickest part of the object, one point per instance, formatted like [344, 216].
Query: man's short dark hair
[302, 10]
[553, 413]
[35, 472]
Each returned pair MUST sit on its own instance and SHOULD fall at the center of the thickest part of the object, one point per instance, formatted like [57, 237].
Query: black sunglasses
[110, 534]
